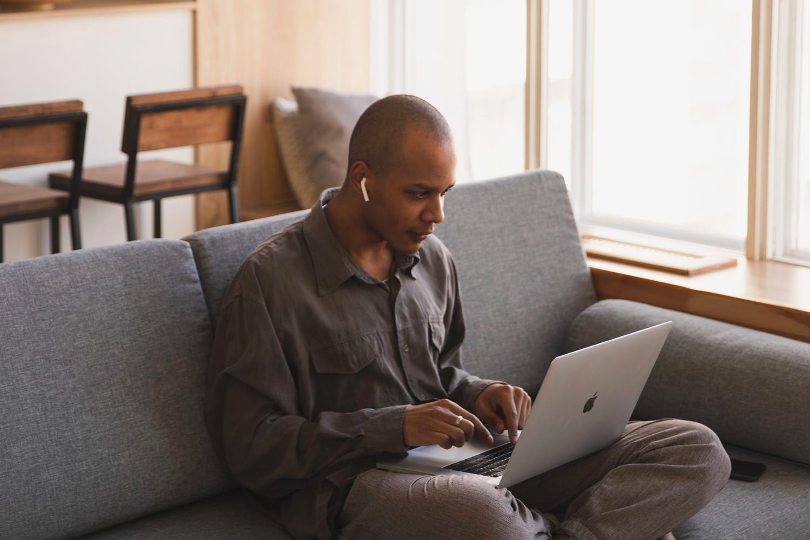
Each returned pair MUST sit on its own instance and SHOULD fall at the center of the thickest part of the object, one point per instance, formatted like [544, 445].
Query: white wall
[100, 60]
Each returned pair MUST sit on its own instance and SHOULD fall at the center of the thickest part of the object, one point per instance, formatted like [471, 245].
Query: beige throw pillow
[325, 120]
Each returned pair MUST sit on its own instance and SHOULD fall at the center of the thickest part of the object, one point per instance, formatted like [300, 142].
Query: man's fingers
[448, 435]
[468, 427]
[442, 422]
[445, 441]
[456, 437]
[512, 418]
[524, 405]
[524, 413]
[469, 420]
[508, 405]
[481, 430]
[462, 422]
[504, 407]
[527, 408]
[457, 434]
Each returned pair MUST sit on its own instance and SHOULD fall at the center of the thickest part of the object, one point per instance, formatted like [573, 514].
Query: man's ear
[358, 179]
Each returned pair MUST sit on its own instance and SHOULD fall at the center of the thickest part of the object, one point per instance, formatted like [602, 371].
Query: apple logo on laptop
[589, 404]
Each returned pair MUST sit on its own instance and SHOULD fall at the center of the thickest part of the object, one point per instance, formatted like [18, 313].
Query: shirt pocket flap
[347, 357]
[437, 333]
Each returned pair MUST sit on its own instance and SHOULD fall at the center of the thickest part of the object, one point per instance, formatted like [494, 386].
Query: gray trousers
[657, 475]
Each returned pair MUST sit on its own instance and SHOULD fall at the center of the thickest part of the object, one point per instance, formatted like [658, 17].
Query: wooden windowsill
[769, 296]
[84, 8]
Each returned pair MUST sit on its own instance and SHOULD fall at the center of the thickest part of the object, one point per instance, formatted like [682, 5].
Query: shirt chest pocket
[436, 334]
[347, 357]
[422, 342]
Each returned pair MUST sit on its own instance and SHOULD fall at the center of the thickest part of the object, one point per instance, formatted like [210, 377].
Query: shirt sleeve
[461, 386]
[254, 419]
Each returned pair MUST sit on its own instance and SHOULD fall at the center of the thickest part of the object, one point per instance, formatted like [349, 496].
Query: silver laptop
[583, 405]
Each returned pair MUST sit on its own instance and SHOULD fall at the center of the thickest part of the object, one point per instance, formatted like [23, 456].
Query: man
[339, 341]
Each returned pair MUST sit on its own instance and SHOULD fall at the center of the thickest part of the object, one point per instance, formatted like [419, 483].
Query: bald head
[378, 136]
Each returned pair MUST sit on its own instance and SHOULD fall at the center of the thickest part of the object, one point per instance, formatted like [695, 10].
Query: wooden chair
[168, 120]
[42, 133]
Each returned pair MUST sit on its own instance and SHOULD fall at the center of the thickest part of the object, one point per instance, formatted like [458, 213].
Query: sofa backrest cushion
[101, 388]
[521, 267]
[522, 272]
[219, 252]
[750, 387]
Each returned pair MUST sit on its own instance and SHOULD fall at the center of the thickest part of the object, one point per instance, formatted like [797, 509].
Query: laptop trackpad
[431, 459]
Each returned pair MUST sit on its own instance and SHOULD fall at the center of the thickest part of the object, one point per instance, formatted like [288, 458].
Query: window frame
[787, 134]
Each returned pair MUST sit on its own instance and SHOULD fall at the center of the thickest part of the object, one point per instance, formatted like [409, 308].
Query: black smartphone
[747, 471]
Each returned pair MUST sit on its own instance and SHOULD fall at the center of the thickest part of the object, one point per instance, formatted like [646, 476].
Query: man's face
[408, 200]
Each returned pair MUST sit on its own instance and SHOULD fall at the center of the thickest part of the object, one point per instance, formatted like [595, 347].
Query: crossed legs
[655, 477]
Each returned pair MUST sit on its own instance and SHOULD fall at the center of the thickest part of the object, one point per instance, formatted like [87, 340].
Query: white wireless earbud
[363, 189]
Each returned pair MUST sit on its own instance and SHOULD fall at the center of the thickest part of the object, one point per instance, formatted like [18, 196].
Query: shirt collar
[331, 262]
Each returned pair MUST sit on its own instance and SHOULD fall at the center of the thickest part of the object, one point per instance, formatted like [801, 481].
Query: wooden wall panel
[267, 45]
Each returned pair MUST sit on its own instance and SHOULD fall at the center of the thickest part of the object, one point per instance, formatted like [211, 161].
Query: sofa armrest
[749, 386]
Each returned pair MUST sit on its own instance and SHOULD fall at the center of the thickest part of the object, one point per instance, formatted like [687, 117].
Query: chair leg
[129, 216]
[55, 235]
[232, 203]
[75, 232]
[156, 219]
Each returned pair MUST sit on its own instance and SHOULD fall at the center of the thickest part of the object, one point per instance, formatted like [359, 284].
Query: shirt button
[405, 348]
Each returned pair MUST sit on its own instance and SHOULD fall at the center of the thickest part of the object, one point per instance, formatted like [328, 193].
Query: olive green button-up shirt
[314, 362]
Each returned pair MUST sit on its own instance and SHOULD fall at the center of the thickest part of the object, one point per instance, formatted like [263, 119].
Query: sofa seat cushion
[231, 515]
[750, 387]
[776, 506]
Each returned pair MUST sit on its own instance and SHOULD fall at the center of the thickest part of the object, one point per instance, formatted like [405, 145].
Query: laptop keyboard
[489, 463]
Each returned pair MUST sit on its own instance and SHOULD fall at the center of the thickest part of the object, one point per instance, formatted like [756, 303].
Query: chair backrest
[43, 133]
[183, 118]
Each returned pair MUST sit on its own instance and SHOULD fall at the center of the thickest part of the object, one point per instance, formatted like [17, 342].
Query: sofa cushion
[775, 506]
[750, 387]
[324, 123]
[219, 252]
[101, 388]
[522, 271]
[231, 515]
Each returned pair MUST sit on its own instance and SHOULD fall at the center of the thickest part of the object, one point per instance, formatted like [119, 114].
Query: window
[684, 119]
[466, 57]
[648, 114]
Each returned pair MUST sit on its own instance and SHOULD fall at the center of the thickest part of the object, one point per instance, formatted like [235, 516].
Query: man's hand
[502, 406]
[438, 422]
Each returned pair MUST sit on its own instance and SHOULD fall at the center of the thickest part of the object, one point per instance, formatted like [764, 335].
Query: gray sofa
[103, 354]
